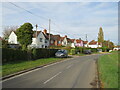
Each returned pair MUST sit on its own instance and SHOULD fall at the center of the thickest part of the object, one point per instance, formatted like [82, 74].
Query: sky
[74, 19]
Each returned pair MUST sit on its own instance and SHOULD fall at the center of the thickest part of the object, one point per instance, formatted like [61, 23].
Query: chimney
[66, 36]
[45, 31]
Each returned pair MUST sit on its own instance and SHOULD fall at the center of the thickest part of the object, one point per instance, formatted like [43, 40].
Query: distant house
[94, 44]
[77, 43]
[85, 43]
[116, 48]
[66, 41]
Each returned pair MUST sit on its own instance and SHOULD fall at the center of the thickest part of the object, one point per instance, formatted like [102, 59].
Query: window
[59, 42]
[45, 41]
[41, 39]
[52, 41]
[42, 46]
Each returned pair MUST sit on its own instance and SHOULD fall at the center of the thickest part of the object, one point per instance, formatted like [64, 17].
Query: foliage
[43, 53]
[4, 43]
[10, 55]
[72, 52]
[25, 34]
[108, 44]
[100, 35]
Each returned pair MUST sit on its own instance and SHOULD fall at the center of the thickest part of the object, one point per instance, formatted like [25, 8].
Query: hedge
[43, 53]
[9, 54]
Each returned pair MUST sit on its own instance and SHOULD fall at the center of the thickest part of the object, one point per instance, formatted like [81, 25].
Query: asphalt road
[77, 72]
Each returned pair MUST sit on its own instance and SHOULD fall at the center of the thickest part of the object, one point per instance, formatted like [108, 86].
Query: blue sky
[74, 19]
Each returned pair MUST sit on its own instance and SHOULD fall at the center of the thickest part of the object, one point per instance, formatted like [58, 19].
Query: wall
[13, 38]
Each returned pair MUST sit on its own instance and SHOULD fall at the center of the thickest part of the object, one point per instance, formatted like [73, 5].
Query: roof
[72, 40]
[69, 40]
[93, 42]
[34, 33]
[78, 41]
[85, 42]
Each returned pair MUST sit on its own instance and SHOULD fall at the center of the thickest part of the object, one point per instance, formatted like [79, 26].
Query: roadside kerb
[31, 69]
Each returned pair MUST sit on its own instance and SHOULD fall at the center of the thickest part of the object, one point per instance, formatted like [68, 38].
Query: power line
[28, 11]
[41, 18]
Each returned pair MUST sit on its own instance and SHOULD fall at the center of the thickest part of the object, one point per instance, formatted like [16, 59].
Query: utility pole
[36, 29]
[86, 37]
[49, 31]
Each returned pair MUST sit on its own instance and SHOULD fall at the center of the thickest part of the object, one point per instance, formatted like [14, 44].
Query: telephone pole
[86, 37]
[49, 31]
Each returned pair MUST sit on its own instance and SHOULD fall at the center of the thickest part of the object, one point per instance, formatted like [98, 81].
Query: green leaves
[25, 34]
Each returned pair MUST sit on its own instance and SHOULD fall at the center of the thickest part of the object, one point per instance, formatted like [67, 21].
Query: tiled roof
[72, 40]
[78, 41]
[85, 42]
[34, 34]
[93, 42]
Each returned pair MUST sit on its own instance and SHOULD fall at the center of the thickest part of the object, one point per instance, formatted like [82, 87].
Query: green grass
[13, 67]
[108, 68]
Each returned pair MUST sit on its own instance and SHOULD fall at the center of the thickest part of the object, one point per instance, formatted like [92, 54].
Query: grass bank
[14, 67]
[108, 69]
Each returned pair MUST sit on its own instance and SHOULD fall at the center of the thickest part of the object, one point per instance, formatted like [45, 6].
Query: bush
[9, 54]
[72, 52]
[43, 53]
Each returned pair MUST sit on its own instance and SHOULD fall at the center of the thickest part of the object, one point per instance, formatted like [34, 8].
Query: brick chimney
[45, 31]
[66, 36]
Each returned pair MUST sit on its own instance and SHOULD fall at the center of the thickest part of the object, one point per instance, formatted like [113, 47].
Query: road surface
[77, 72]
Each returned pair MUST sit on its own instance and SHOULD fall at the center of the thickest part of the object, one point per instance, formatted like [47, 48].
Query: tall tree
[100, 35]
[25, 34]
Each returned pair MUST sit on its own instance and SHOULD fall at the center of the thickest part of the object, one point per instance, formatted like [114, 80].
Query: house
[116, 48]
[77, 43]
[85, 43]
[13, 38]
[66, 41]
[94, 44]
[39, 39]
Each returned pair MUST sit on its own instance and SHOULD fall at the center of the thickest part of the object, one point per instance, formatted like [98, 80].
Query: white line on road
[37, 69]
[69, 66]
[52, 77]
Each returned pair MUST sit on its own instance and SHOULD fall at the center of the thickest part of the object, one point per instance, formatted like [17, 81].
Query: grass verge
[13, 67]
[108, 69]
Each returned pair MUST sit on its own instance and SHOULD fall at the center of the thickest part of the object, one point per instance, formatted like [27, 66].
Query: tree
[24, 35]
[100, 35]
[108, 44]
[7, 30]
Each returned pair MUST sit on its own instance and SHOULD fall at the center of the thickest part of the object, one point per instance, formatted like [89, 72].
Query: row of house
[41, 40]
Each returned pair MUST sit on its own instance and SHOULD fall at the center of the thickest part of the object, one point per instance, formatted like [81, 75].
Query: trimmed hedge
[9, 54]
[43, 53]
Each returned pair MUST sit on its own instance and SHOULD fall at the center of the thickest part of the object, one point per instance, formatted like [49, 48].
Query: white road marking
[52, 77]
[36, 69]
[69, 66]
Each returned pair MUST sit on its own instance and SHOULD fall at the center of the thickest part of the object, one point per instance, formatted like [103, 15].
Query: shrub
[72, 52]
[9, 55]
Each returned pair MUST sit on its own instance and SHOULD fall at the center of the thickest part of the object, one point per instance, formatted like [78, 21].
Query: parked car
[87, 52]
[61, 53]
